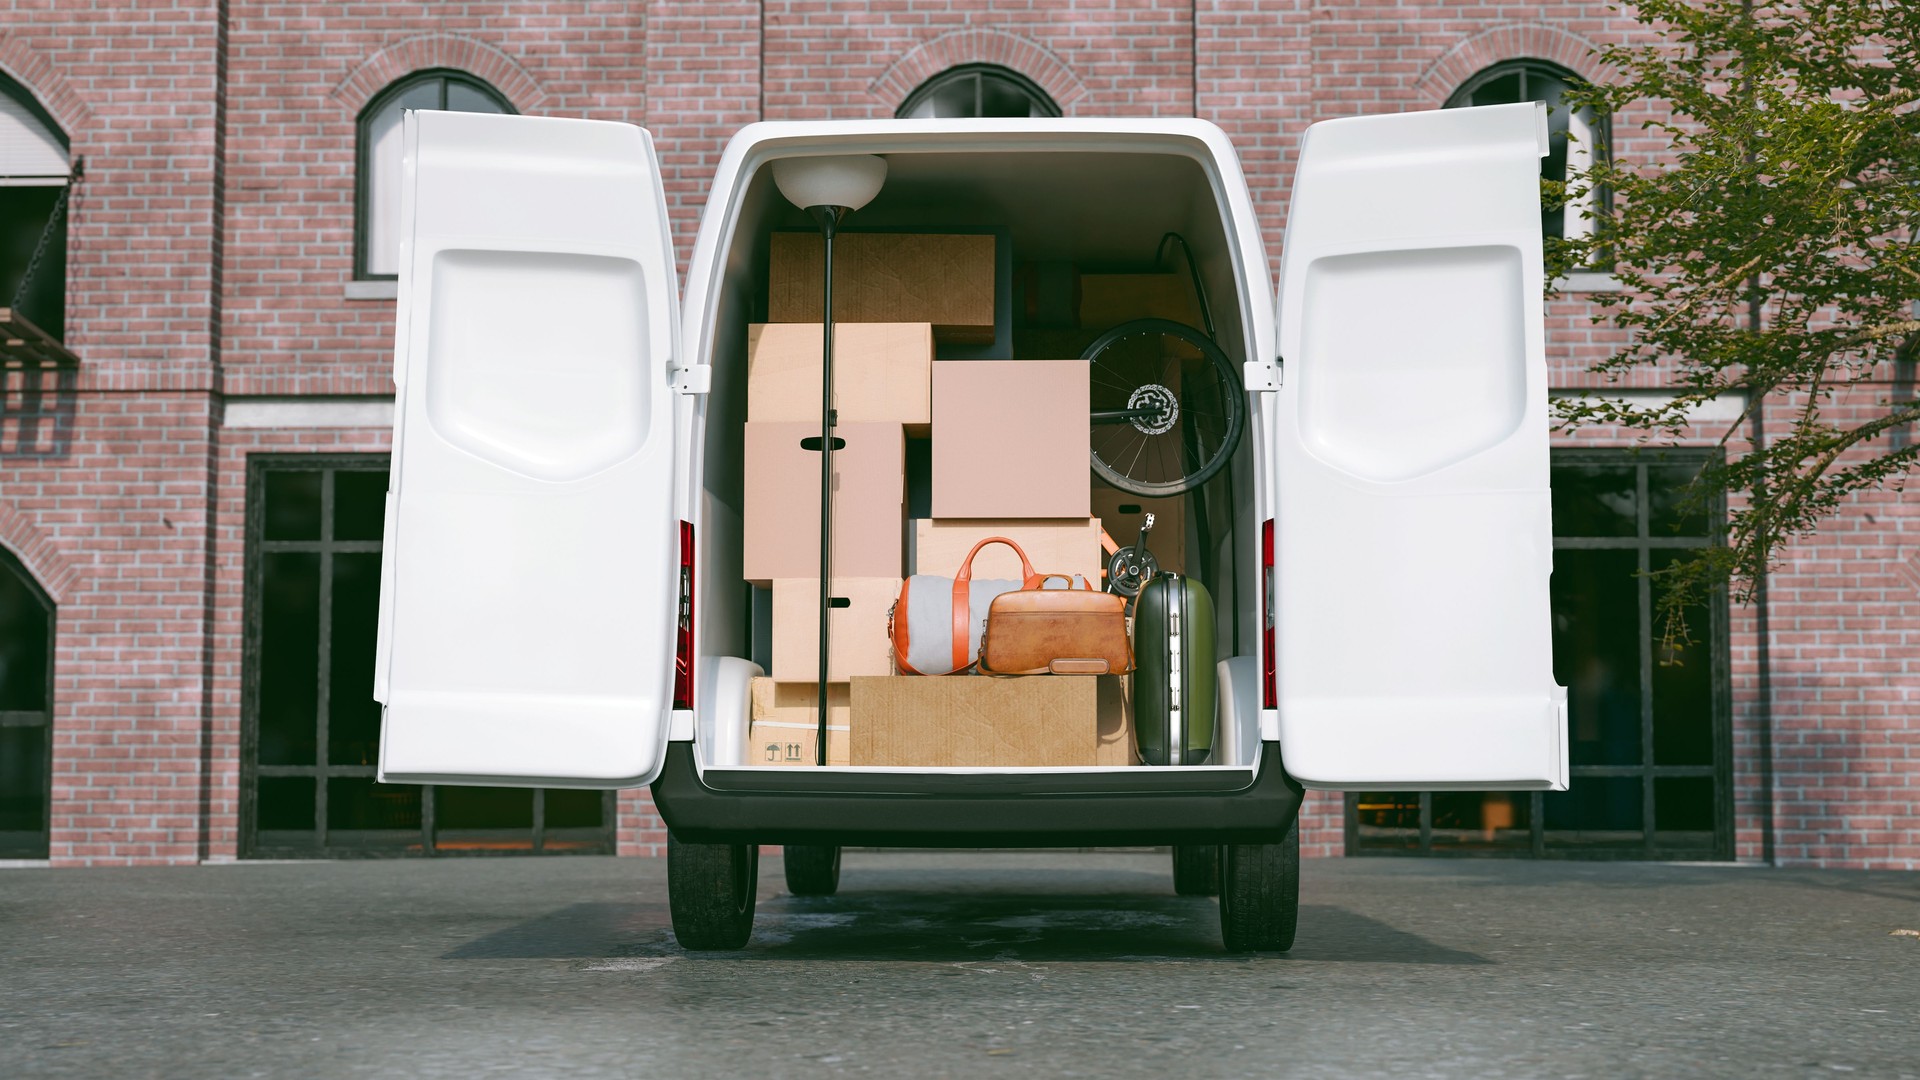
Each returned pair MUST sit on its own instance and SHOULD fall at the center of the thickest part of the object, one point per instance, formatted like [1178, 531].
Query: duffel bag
[937, 622]
[1068, 631]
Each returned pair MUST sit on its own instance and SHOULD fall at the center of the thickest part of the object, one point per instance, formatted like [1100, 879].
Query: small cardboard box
[946, 279]
[781, 523]
[1010, 439]
[974, 721]
[783, 725]
[1107, 300]
[858, 644]
[1121, 513]
[882, 372]
[1070, 546]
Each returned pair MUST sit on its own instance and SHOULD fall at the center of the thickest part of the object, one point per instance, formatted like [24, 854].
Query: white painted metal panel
[529, 592]
[1414, 531]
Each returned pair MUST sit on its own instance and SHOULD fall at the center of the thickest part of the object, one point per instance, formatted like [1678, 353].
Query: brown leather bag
[1058, 631]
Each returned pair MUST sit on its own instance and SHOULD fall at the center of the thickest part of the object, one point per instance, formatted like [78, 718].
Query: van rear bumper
[1141, 806]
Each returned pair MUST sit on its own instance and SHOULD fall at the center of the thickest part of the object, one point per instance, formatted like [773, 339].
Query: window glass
[380, 156]
[977, 90]
[1595, 500]
[33, 179]
[1573, 137]
[313, 727]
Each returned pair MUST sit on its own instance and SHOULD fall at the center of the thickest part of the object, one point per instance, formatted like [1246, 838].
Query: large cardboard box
[975, 721]
[783, 725]
[1010, 439]
[1117, 744]
[1120, 514]
[946, 279]
[1070, 546]
[781, 523]
[858, 644]
[882, 372]
[1107, 300]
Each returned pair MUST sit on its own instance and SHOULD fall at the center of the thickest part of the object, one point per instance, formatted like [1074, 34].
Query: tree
[1767, 255]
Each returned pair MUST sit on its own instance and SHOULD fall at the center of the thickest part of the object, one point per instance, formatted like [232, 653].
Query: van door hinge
[1261, 378]
[694, 380]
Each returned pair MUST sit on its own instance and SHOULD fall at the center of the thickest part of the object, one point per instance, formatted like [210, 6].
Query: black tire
[813, 869]
[710, 891]
[1260, 894]
[1164, 456]
[1196, 869]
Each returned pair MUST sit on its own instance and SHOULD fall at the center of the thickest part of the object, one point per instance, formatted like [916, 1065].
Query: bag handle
[963, 597]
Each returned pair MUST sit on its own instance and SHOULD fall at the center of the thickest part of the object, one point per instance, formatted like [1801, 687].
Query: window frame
[1530, 67]
[363, 181]
[978, 74]
[1644, 542]
[428, 840]
[9, 563]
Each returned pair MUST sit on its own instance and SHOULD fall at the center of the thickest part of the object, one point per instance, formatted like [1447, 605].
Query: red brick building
[198, 450]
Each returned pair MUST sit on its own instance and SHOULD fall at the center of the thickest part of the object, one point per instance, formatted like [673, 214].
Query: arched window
[26, 712]
[1574, 136]
[34, 171]
[977, 90]
[377, 243]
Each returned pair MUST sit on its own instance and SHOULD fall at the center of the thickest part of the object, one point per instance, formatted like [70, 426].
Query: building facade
[198, 393]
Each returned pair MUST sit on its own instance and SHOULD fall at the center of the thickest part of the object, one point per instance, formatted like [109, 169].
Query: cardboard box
[1115, 697]
[946, 279]
[1010, 439]
[1071, 546]
[781, 519]
[1120, 515]
[1107, 300]
[882, 372]
[974, 721]
[783, 723]
[858, 644]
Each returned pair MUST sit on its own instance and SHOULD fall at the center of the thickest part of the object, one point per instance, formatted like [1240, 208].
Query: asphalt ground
[957, 965]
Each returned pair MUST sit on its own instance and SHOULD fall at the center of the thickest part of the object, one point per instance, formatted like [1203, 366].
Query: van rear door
[528, 594]
[1413, 537]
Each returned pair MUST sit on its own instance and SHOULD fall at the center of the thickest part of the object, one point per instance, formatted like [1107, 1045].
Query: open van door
[528, 593]
[1413, 539]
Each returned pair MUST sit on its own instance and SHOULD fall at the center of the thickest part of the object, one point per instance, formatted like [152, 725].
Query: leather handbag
[1039, 631]
[937, 622]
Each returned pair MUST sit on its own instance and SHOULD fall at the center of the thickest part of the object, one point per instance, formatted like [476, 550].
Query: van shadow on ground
[920, 925]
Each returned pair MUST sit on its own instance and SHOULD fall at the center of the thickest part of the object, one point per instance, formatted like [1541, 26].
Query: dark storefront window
[1648, 723]
[313, 728]
[26, 712]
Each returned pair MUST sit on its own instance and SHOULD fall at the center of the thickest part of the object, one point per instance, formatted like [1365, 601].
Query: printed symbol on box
[793, 751]
[773, 751]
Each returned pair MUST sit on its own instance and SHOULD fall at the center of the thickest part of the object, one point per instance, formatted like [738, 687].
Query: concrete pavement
[957, 965]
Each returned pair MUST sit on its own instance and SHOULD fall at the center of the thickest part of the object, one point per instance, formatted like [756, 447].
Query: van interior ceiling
[1059, 212]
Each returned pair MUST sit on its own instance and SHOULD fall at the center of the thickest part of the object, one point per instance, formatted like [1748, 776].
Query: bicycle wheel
[1168, 408]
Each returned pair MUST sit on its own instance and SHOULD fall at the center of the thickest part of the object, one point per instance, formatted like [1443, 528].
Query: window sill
[1587, 282]
[373, 290]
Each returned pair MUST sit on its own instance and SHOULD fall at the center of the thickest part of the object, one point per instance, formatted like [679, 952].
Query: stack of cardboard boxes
[1008, 457]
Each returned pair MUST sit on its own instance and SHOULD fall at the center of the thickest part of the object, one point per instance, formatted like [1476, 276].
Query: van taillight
[683, 627]
[1270, 686]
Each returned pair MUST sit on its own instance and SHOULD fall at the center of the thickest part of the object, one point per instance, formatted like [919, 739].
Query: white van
[562, 601]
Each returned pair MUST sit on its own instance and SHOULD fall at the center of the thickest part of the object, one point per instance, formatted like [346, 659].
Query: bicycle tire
[1234, 406]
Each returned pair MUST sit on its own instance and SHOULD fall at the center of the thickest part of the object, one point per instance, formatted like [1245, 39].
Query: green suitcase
[1174, 677]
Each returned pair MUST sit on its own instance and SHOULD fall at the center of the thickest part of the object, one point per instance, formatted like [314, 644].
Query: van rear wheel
[1196, 869]
[1260, 894]
[710, 892]
[813, 869]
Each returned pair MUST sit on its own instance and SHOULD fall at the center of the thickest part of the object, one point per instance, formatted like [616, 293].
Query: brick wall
[211, 250]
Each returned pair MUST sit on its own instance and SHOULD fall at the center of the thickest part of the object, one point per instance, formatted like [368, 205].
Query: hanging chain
[46, 234]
